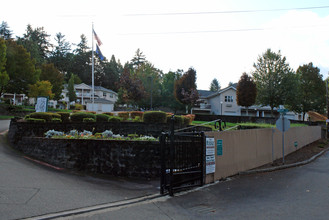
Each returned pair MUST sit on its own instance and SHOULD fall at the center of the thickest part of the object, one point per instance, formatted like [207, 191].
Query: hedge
[88, 120]
[79, 116]
[35, 120]
[115, 119]
[47, 116]
[154, 117]
[135, 114]
[102, 117]
[65, 116]
[123, 115]
[109, 113]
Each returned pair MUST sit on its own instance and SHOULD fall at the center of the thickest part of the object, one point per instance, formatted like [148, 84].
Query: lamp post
[221, 107]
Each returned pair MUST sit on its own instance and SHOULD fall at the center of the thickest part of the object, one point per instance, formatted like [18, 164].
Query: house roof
[205, 93]
[100, 100]
[104, 89]
[222, 90]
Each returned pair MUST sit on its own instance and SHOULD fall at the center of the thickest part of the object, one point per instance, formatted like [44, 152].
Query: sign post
[283, 125]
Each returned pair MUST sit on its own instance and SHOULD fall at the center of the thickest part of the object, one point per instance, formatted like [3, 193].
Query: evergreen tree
[70, 90]
[246, 91]
[5, 32]
[138, 59]
[61, 56]
[36, 42]
[214, 86]
[4, 78]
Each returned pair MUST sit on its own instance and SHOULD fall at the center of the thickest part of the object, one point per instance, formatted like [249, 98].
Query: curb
[95, 208]
[284, 166]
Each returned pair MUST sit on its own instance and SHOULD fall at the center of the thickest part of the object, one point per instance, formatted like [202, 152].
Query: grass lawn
[4, 117]
[230, 125]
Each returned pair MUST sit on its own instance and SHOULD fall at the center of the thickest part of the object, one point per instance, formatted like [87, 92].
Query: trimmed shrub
[47, 116]
[109, 113]
[137, 119]
[154, 117]
[102, 117]
[115, 119]
[135, 114]
[65, 116]
[179, 120]
[78, 107]
[36, 120]
[57, 120]
[186, 120]
[92, 112]
[123, 115]
[88, 120]
[79, 116]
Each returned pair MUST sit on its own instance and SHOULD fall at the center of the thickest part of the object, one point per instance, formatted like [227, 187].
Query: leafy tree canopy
[56, 78]
[41, 88]
[246, 91]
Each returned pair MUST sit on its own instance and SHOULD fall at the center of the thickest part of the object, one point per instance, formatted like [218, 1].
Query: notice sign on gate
[210, 146]
[210, 155]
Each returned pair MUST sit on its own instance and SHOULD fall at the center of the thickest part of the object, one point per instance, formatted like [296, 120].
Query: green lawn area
[230, 125]
[4, 117]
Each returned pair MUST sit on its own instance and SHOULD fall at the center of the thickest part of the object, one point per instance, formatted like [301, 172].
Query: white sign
[210, 146]
[42, 104]
[210, 164]
[283, 124]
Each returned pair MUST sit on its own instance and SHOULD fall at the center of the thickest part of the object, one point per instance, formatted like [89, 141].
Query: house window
[228, 98]
[104, 94]
[111, 95]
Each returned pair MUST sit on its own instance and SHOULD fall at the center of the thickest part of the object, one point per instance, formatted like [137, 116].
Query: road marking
[43, 163]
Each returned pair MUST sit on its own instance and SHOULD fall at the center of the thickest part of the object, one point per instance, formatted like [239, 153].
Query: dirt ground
[302, 154]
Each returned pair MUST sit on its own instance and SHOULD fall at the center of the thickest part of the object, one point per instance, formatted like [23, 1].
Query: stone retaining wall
[117, 158]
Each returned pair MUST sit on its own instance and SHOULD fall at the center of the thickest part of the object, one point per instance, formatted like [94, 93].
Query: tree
[185, 89]
[274, 80]
[246, 91]
[167, 91]
[81, 62]
[36, 42]
[61, 56]
[214, 86]
[131, 88]
[70, 90]
[138, 59]
[41, 88]
[5, 33]
[20, 68]
[312, 90]
[4, 78]
[56, 78]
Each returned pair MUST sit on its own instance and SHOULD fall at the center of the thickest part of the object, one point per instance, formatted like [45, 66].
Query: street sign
[219, 147]
[283, 111]
[283, 124]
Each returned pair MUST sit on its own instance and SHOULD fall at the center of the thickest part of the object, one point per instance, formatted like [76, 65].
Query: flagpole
[92, 68]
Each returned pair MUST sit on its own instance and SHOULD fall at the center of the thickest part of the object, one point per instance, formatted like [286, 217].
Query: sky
[219, 38]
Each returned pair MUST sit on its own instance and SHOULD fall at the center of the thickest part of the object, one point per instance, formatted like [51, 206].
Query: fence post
[172, 154]
[203, 159]
[163, 162]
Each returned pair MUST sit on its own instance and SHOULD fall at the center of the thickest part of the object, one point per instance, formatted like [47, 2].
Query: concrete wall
[248, 149]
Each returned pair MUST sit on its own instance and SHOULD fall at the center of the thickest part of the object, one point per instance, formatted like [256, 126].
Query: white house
[224, 102]
[104, 99]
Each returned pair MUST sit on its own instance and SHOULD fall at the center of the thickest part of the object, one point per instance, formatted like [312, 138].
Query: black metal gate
[182, 161]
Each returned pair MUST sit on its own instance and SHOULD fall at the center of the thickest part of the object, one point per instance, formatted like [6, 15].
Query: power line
[227, 12]
[225, 30]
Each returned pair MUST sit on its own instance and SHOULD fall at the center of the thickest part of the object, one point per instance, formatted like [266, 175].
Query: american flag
[99, 42]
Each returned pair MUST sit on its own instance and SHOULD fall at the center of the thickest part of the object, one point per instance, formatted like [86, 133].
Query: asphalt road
[296, 193]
